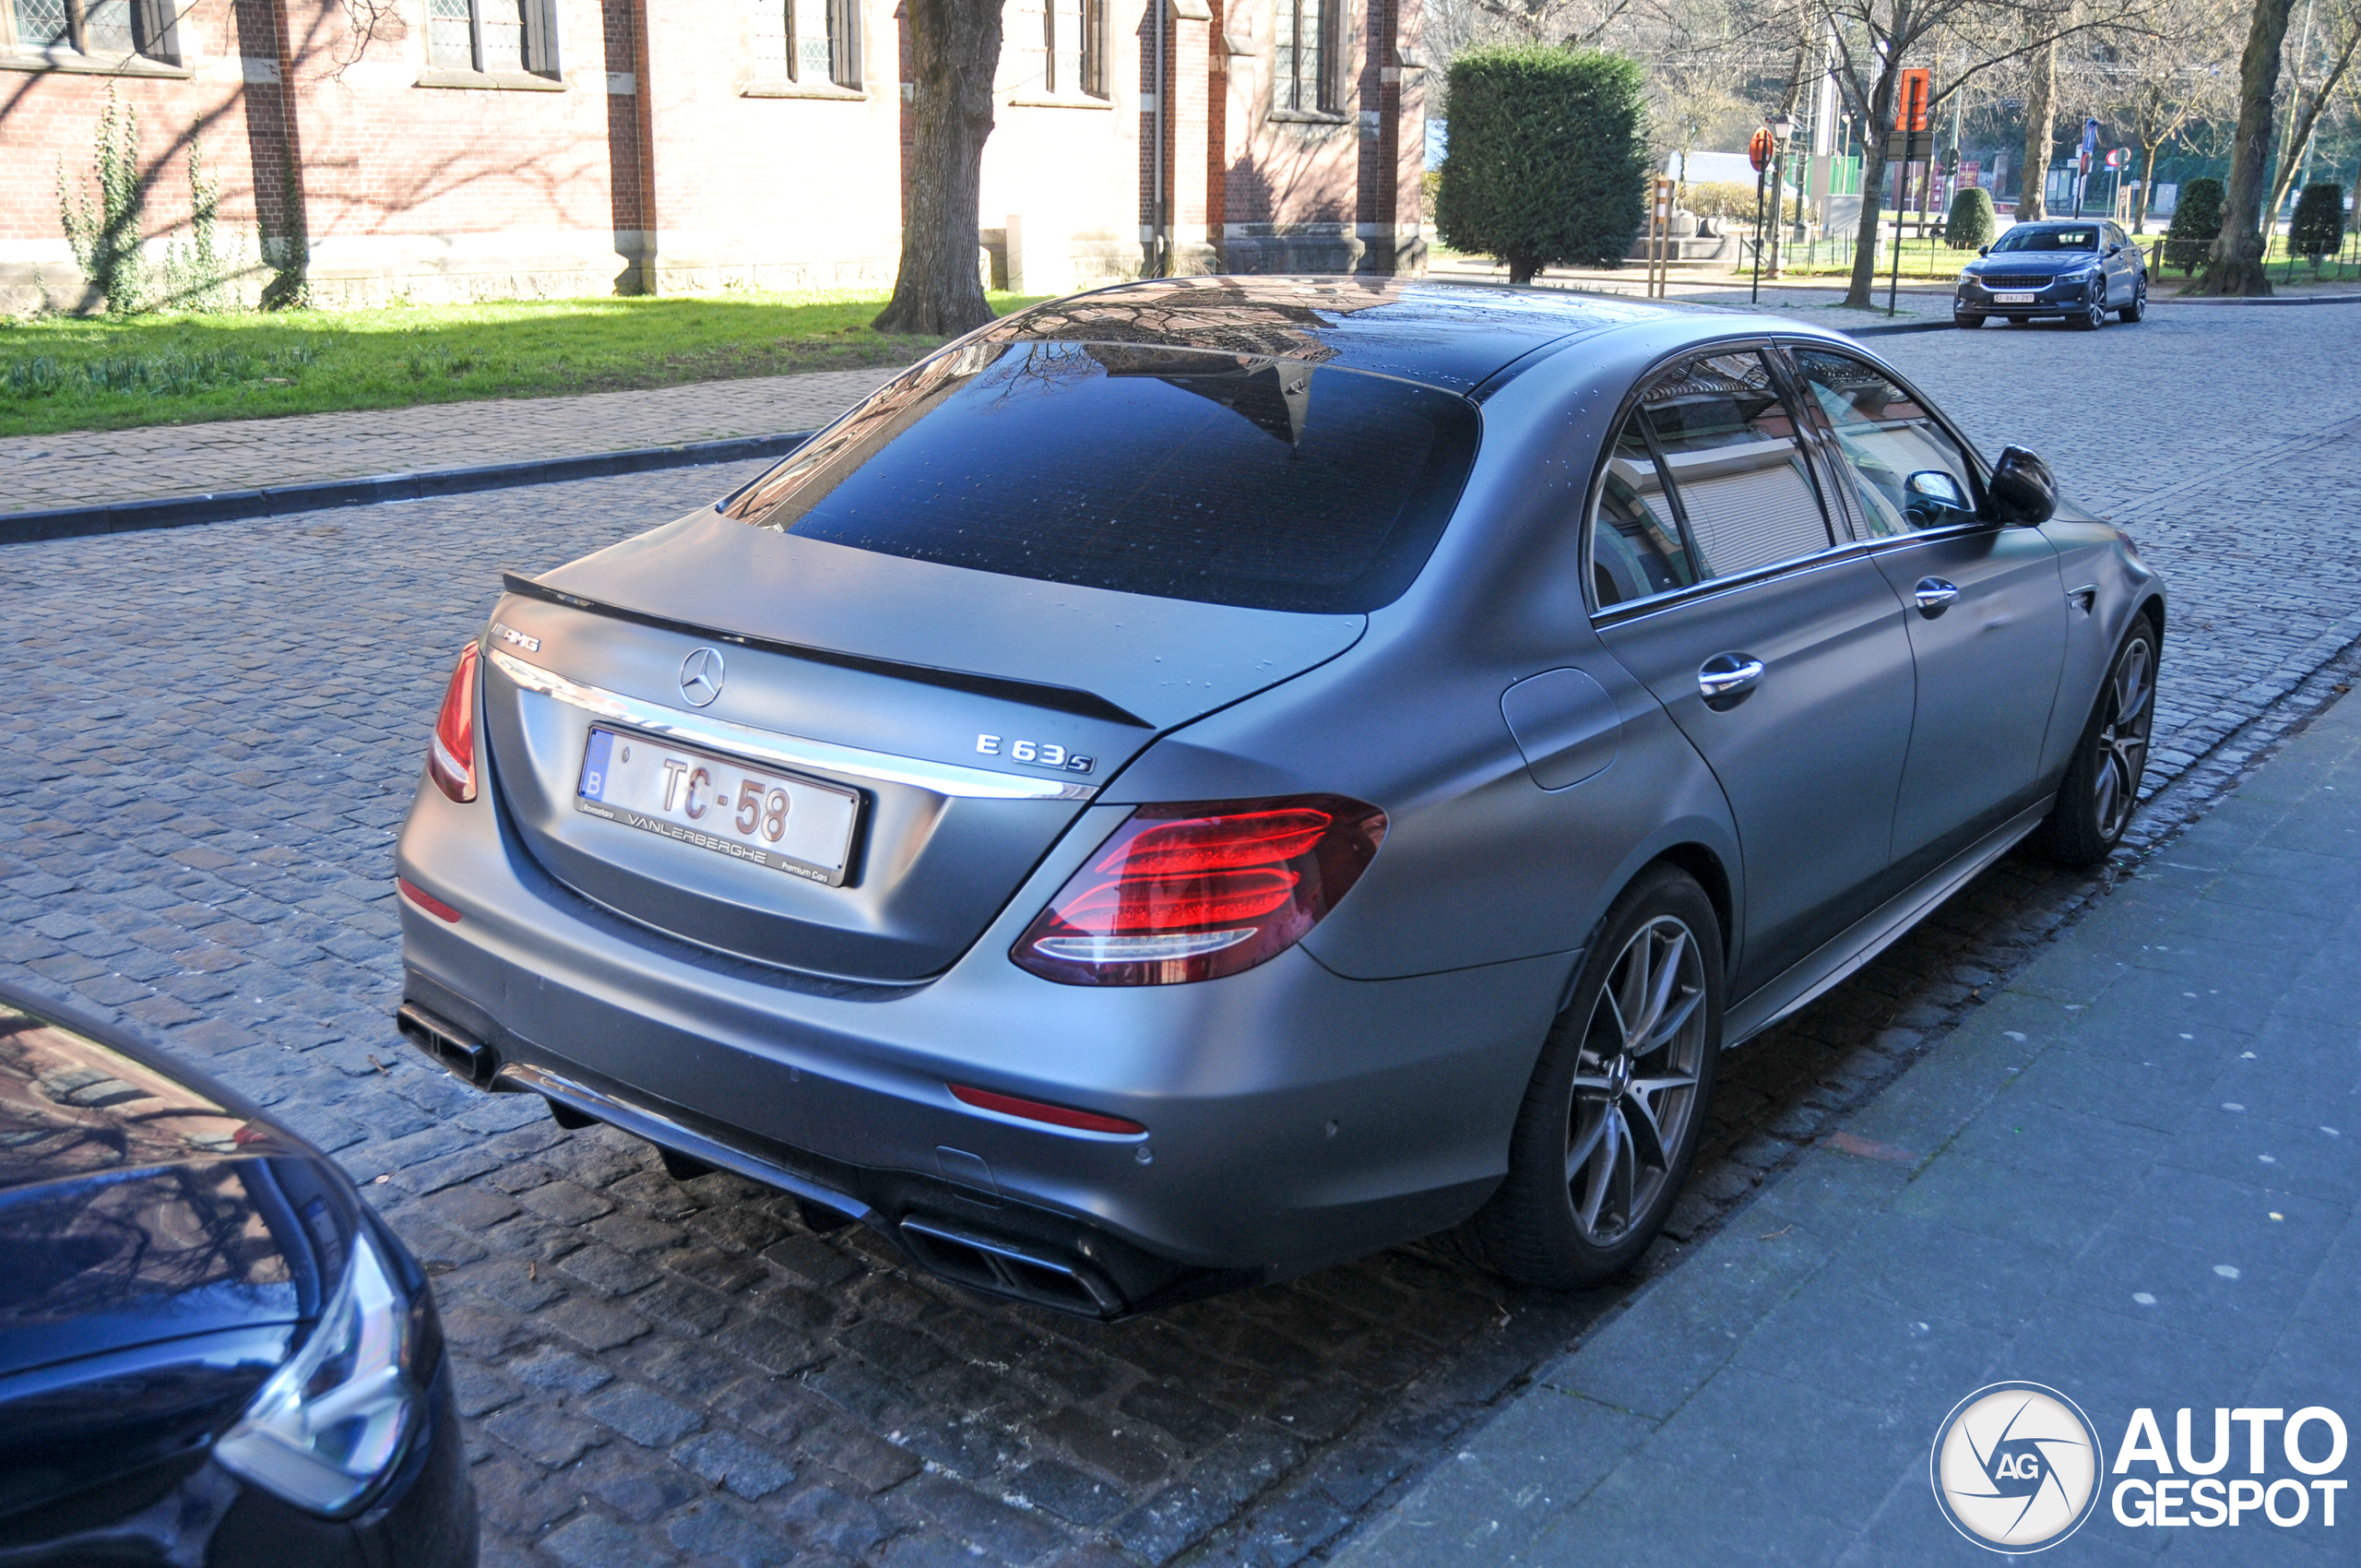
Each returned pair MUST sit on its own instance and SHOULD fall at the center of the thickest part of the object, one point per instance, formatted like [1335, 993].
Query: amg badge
[1038, 753]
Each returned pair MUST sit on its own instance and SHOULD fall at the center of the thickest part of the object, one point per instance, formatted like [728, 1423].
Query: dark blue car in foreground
[211, 1351]
[2074, 272]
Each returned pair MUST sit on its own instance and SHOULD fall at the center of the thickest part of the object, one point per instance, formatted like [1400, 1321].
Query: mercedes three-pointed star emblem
[701, 675]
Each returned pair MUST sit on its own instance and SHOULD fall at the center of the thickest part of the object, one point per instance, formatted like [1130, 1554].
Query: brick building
[439, 149]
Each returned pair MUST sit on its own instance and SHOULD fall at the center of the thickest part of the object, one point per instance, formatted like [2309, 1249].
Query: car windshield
[1228, 478]
[2031, 237]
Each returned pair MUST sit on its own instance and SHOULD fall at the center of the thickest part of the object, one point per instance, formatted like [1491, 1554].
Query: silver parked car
[1210, 777]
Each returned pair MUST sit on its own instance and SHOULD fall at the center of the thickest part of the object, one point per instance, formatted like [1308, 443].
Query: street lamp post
[1783, 129]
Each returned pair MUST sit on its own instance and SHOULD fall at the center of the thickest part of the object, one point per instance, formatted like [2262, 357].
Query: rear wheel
[2102, 785]
[1611, 1118]
[2139, 305]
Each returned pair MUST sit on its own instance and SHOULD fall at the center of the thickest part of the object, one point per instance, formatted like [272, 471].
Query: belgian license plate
[2013, 298]
[752, 814]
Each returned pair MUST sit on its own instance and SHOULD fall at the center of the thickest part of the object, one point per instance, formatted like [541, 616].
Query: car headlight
[331, 1423]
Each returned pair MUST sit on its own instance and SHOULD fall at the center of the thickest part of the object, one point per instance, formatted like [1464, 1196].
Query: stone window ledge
[828, 91]
[71, 63]
[487, 81]
[1310, 117]
[1044, 100]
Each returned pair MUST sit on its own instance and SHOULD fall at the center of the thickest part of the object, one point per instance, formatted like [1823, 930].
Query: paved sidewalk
[2134, 1176]
[1815, 299]
[84, 468]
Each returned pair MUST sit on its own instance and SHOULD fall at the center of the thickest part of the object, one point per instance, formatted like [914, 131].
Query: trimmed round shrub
[2318, 228]
[1973, 224]
[1548, 162]
[2197, 219]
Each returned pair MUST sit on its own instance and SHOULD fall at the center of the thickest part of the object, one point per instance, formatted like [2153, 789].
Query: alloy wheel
[1635, 1081]
[2123, 737]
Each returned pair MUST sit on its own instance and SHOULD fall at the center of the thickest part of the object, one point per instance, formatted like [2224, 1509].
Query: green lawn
[76, 372]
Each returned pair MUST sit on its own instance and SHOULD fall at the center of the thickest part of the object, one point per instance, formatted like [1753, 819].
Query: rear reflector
[451, 756]
[1034, 1111]
[1195, 892]
[425, 900]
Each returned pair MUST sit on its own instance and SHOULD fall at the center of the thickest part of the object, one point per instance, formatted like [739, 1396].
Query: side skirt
[1835, 960]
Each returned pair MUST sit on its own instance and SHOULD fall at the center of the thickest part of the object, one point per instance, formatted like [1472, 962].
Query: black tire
[2138, 307]
[2091, 317]
[1589, 1090]
[2101, 787]
[1965, 322]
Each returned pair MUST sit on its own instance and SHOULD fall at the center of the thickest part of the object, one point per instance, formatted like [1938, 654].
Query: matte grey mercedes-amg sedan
[1206, 778]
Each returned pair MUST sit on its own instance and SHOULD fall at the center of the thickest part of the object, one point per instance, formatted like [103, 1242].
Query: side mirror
[2114, 250]
[1935, 485]
[2022, 492]
[1984, 250]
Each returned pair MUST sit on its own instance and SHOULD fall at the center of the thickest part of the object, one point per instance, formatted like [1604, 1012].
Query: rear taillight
[1195, 892]
[451, 759]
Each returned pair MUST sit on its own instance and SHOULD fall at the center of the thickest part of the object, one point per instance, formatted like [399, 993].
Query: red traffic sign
[1760, 147]
[1912, 97]
[2118, 157]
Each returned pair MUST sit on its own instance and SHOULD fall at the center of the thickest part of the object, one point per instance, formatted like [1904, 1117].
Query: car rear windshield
[2083, 238]
[1227, 479]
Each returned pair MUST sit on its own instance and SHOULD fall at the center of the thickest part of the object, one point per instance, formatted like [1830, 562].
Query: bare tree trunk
[2147, 186]
[954, 51]
[2308, 116]
[2041, 113]
[2233, 266]
[1865, 245]
[1806, 14]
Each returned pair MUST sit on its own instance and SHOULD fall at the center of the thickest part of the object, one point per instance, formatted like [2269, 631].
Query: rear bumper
[1294, 1117]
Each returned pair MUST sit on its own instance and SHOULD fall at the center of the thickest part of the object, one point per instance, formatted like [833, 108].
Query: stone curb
[231, 505]
[2268, 300]
[1891, 328]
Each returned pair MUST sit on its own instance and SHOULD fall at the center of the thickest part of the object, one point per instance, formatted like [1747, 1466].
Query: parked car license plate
[768, 818]
[2013, 298]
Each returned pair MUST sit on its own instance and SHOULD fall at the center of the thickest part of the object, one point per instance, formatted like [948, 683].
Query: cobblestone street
[211, 735]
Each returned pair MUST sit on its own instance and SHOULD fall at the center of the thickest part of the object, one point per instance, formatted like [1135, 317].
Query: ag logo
[2016, 1468]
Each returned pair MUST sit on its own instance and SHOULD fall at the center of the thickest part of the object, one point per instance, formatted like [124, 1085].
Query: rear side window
[1227, 479]
[1707, 479]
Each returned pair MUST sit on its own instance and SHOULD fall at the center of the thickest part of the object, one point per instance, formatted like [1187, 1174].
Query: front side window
[101, 29]
[1906, 471]
[513, 37]
[1709, 462]
[1227, 479]
[1301, 79]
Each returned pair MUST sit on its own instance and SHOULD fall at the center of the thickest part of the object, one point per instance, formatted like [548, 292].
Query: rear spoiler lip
[1035, 694]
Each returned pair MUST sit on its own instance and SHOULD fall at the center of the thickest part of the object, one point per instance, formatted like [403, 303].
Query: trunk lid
[968, 715]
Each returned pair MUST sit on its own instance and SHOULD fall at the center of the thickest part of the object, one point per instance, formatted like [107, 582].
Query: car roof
[1453, 336]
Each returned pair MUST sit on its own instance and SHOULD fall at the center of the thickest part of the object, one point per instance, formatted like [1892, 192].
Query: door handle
[1934, 596]
[2085, 598]
[1727, 679]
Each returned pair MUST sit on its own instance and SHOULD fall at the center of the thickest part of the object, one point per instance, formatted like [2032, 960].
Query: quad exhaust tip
[987, 1264]
[965, 1257]
[452, 1047]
